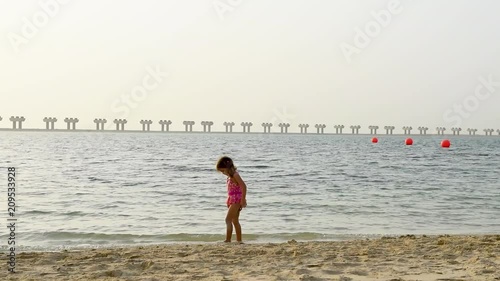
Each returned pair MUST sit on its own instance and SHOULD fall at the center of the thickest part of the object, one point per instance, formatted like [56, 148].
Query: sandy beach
[387, 258]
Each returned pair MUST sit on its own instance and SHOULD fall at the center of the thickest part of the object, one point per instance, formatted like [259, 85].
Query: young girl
[236, 197]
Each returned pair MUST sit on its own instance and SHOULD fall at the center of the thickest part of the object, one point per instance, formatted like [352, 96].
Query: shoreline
[253, 239]
[408, 257]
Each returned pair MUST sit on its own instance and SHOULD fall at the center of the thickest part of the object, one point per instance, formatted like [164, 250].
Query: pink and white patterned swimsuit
[234, 193]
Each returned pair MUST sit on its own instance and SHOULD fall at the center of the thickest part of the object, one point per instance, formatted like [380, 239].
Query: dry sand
[404, 258]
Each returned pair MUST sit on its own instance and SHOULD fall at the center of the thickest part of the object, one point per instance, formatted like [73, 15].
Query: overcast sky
[426, 62]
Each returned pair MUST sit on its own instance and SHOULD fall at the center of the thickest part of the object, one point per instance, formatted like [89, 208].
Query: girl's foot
[240, 242]
[226, 241]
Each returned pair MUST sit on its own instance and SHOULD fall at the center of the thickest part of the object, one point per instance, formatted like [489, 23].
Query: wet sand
[444, 258]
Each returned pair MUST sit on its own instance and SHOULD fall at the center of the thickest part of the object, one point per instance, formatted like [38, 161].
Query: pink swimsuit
[234, 193]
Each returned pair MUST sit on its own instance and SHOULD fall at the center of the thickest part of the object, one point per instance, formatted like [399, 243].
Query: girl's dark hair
[226, 163]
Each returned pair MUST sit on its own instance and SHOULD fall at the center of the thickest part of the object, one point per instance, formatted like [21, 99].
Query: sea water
[89, 189]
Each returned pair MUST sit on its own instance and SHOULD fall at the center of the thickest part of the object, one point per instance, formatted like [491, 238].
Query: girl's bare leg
[232, 212]
[237, 226]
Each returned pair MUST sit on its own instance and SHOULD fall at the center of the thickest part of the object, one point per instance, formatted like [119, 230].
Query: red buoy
[445, 143]
[409, 141]
[374, 140]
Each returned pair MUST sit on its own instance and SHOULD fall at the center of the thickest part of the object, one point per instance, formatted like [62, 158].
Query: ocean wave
[258, 167]
[55, 240]
[37, 212]
[94, 179]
